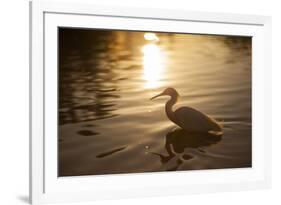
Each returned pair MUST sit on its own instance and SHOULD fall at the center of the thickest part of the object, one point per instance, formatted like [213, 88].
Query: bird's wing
[194, 120]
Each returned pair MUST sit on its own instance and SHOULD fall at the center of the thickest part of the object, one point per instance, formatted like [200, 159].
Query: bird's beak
[161, 94]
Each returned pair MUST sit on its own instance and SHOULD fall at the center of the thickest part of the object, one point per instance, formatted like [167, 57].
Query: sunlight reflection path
[153, 65]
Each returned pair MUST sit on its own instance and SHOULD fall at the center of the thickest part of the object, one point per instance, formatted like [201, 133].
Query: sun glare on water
[151, 37]
[153, 65]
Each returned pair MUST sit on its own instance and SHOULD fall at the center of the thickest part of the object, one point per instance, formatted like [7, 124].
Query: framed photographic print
[134, 102]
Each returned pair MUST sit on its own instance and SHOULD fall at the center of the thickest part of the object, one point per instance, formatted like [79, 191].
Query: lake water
[109, 125]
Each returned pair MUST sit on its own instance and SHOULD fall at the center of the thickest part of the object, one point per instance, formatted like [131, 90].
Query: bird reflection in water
[178, 140]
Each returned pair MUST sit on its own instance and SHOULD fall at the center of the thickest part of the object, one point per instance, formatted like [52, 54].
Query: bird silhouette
[188, 118]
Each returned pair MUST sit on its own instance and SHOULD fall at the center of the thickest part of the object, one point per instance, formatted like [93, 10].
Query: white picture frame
[46, 186]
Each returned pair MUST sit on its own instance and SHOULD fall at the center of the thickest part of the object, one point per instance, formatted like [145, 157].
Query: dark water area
[109, 125]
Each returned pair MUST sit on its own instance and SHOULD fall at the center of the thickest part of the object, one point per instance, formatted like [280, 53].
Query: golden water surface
[108, 125]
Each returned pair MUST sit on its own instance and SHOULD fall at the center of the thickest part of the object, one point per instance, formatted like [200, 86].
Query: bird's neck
[169, 108]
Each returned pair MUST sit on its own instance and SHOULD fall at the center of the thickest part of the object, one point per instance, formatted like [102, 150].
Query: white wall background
[14, 100]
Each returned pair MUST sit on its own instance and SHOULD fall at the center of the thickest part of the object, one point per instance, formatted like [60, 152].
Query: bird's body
[189, 119]
[193, 120]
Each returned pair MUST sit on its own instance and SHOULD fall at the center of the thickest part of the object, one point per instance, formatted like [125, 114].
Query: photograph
[149, 101]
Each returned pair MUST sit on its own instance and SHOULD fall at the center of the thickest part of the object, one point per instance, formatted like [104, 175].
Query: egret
[188, 118]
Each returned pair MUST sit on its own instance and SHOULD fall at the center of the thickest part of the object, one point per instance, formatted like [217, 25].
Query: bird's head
[169, 92]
